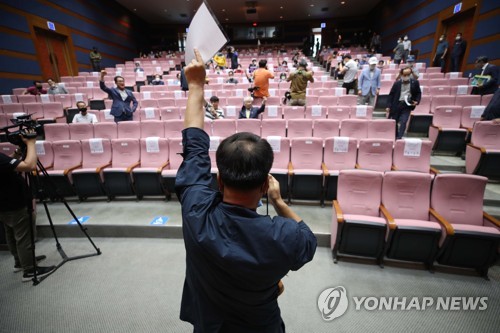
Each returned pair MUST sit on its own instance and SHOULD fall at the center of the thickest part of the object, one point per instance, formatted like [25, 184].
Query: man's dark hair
[244, 160]
[347, 56]
[214, 99]
[50, 79]
[405, 68]
[262, 63]
[482, 59]
[36, 81]
[118, 77]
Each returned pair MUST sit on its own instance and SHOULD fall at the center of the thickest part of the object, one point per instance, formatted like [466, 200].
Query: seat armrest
[163, 166]
[325, 169]
[449, 229]
[434, 171]
[394, 168]
[133, 166]
[482, 149]
[99, 169]
[491, 219]
[357, 166]
[338, 211]
[437, 127]
[290, 168]
[72, 168]
[388, 217]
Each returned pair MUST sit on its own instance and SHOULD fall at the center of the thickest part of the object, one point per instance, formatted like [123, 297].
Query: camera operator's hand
[29, 163]
[274, 197]
[195, 71]
[273, 193]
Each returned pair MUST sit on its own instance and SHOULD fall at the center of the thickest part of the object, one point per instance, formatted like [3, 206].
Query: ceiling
[234, 11]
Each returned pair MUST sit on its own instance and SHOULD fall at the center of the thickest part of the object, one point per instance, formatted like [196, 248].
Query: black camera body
[26, 127]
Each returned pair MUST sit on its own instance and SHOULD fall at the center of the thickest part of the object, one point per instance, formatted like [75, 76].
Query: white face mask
[458, 38]
[406, 38]
[405, 78]
[441, 39]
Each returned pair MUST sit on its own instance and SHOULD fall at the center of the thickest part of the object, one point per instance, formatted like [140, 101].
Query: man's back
[261, 80]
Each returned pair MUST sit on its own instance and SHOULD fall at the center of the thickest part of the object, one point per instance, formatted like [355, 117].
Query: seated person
[157, 81]
[138, 67]
[253, 66]
[380, 64]
[84, 116]
[55, 89]
[36, 89]
[220, 61]
[212, 109]
[231, 78]
[239, 70]
[248, 111]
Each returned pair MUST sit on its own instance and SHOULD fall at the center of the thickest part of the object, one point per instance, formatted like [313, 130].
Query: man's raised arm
[195, 76]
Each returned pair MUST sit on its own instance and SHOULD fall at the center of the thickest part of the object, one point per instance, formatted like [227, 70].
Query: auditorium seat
[223, 127]
[357, 228]
[328, 101]
[248, 125]
[79, 97]
[362, 112]
[339, 112]
[152, 128]
[34, 109]
[149, 113]
[293, 112]
[306, 173]
[406, 203]
[81, 131]
[56, 132]
[355, 128]
[445, 132]
[148, 103]
[485, 99]
[10, 109]
[297, 128]
[169, 113]
[467, 100]
[154, 158]
[470, 115]
[375, 154]
[340, 153]
[412, 154]
[281, 163]
[174, 162]
[471, 237]
[325, 128]
[442, 100]
[271, 112]
[482, 156]
[273, 127]
[349, 100]
[440, 90]
[106, 130]
[64, 99]
[173, 128]
[316, 112]
[96, 156]
[53, 112]
[460, 89]
[26, 99]
[45, 153]
[129, 130]
[10, 99]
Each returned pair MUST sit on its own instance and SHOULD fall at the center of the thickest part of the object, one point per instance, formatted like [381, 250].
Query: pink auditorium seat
[98, 94]
[149, 113]
[482, 156]
[316, 112]
[375, 154]
[467, 100]
[421, 117]
[433, 75]
[169, 113]
[81, 131]
[299, 128]
[65, 100]
[442, 100]
[271, 112]
[67, 157]
[312, 99]
[339, 112]
[26, 99]
[154, 158]
[406, 203]
[454, 75]
[471, 236]
[248, 125]
[273, 127]
[325, 128]
[79, 97]
[7, 148]
[34, 109]
[438, 82]
[439, 90]
[382, 129]
[106, 130]
[88, 91]
[125, 157]
[10, 99]
[148, 103]
[129, 130]
[53, 112]
[470, 115]
[385, 87]
[306, 173]
[224, 127]
[293, 112]
[485, 99]
[357, 228]
[173, 128]
[45, 153]
[445, 132]
[460, 90]
[174, 161]
[17, 92]
[328, 101]
[338, 91]
[10, 109]
[340, 153]
[362, 112]
[56, 132]
[152, 128]
[88, 180]
[166, 102]
[281, 163]
[45, 98]
[412, 154]
[349, 100]
[356, 128]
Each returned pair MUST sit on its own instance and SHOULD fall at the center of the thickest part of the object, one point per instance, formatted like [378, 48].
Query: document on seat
[412, 147]
[40, 149]
[96, 146]
[274, 142]
[341, 144]
[476, 111]
[152, 145]
[204, 34]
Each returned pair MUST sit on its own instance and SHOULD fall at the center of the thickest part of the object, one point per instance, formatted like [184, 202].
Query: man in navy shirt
[235, 257]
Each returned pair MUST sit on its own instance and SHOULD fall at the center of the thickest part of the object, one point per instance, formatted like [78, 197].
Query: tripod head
[26, 127]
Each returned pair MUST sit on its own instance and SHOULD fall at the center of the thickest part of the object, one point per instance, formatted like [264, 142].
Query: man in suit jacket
[404, 97]
[121, 97]
[369, 82]
[487, 69]
[248, 111]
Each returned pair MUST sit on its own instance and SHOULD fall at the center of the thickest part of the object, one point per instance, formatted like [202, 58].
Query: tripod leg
[29, 209]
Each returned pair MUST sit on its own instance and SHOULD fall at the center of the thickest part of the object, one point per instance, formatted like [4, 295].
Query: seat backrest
[382, 129]
[56, 132]
[306, 153]
[248, 125]
[125, 152]
[316, 112]
[106, 130]
[281, 150]
[173, 128]
[67, 154]
[53, 110]
[45, 153]
[23, 98]
[273, 127]
[485, 99]
[440, 90]
[349, 100]
[447, 116]
[154, 152]
[458, 198]
[10, 99]
[359, 192]
[407, 195]
[169, 113]
[299, 128]
[174, 156]
[325, 128]
[293, 112]
[442, 100]
[79, 97]
[362, 112]
[471, 114]
[412, 154]
[12, 108]
[129, 129]
[340, 153]
[356, 128]
[35, 109]
[224, 127]
[468, 100]
[339, 112]
[152, 128]
[486, 134]
[165, 102]
[150, 113]
[81, 131]
[328, 101]
[96, 152]
[424, 107]
[375, 154]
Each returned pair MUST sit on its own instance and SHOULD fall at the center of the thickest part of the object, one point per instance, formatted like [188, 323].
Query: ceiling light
[135, 9]
[312, 5]
[223, 10]
[281, 7]
[281, 17]
[227, 19]
[342, 3]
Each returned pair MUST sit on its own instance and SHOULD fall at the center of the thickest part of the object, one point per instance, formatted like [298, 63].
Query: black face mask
[83, 110]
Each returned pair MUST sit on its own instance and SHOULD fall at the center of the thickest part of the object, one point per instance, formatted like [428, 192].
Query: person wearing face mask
[157, 81]
[407, 47]
[457, 53]
[404, 97]
[349, 71]
[122, 98]
[36, 89]
[83, 116]
[399, 51]
[55, 89]
[231, 78]
[442, 49]
[369, 83]
[488, 70]
[95, 59]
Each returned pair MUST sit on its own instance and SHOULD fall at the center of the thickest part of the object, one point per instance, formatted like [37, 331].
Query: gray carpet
[136, 285]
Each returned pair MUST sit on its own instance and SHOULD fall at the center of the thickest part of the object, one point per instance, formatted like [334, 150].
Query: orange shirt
[261, 80]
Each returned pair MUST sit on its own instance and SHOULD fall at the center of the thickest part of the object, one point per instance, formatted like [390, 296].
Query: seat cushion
[311, 172]
[417, 224]
[364, 218]
[169, 173]
[145, 170]
[278, 171]
[108, 170]
[467, 228]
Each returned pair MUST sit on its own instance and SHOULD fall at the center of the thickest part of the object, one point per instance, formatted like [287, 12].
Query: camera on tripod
[26, 127]
[252, 89]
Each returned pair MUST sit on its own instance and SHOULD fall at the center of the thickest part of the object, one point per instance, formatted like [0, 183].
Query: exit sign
[457, 8]
[51, 25]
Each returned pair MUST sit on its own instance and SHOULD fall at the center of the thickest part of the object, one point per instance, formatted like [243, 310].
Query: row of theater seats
[357, 128]
[414, 217]
[305, 167]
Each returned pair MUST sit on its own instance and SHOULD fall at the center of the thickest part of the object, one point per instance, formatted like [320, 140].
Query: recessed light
[342, 3]
[281, 17]
[281, 7]
[135, 9]
[227, 19]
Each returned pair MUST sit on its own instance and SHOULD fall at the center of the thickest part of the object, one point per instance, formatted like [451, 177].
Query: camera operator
[14, 200]
[299, 80]
[261, 80]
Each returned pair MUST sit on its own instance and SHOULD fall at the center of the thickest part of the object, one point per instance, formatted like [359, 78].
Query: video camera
[252, 89]
[24, 124]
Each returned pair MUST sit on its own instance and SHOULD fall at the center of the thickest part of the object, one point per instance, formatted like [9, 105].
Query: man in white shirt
[407, 47]
[84, 116]
[350, 71]
[212, 109]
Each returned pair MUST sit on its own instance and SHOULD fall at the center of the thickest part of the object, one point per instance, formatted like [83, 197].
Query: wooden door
[54, 54]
